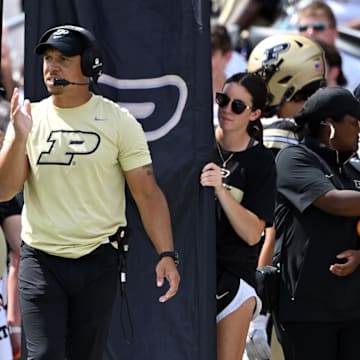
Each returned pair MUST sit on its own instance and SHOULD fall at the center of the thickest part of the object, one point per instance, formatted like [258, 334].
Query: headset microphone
[64, 82]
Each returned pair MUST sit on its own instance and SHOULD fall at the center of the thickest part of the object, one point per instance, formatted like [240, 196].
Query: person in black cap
[74, 151]
[317, 228]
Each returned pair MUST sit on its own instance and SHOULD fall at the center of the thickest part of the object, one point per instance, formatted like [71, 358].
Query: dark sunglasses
[237, 105]
[316, 26]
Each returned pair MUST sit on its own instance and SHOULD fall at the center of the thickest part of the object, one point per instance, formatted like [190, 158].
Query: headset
[91, 58]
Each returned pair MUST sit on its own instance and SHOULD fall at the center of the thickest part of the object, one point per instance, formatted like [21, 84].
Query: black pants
[321, 340]
[66, 304]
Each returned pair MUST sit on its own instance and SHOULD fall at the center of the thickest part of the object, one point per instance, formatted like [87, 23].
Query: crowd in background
[298, 53]
[234, 25]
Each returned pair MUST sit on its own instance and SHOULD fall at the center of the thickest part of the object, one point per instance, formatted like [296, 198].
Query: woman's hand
[211, 175]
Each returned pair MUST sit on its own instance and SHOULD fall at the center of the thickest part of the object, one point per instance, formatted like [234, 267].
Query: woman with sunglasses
[243, 177]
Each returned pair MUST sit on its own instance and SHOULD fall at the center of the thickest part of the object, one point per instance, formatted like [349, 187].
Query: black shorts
[227, 285]
[231, 293]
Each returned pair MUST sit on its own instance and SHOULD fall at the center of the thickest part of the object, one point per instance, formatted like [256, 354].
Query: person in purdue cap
[317, 223]
[73, 152]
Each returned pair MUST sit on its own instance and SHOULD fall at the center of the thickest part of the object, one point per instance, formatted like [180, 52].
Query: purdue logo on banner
[143, 110]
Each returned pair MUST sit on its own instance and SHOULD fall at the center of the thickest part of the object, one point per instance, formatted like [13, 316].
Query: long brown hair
[257, 88]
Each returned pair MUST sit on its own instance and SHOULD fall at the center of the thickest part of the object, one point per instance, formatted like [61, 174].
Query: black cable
[121, 237]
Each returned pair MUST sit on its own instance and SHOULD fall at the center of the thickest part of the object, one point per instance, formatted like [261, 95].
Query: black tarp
[157, 62]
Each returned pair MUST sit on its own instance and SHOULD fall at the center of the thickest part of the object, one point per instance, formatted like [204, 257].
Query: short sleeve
[300, 177]
[134, 151]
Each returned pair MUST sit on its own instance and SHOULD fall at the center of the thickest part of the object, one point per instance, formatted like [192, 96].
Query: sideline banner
[157, 62]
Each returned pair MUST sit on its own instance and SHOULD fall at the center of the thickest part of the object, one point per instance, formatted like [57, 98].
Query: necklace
[224, 161]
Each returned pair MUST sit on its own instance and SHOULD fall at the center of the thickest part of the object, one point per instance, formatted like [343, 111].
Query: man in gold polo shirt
[73, 152]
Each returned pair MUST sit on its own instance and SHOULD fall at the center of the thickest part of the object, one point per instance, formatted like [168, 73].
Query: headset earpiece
[91, 62]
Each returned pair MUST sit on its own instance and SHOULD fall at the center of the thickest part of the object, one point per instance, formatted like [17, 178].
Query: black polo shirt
[312, 238]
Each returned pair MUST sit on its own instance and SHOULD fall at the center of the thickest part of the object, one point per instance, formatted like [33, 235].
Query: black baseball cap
[333, 101]
[68, 42]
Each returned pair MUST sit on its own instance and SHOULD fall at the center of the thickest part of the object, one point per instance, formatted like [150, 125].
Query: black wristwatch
[173, 254]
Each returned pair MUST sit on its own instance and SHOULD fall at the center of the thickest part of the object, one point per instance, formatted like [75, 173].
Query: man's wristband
[173, 254]
[14, 329]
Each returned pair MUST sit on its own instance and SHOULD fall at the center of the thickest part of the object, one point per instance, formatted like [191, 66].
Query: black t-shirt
[251, 179]
[312, 238]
